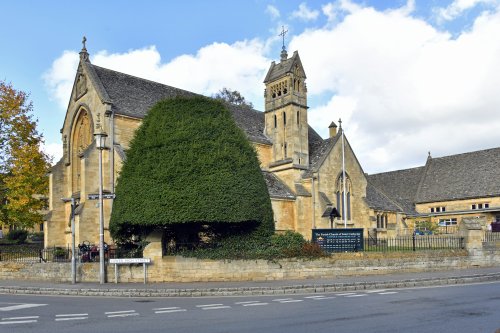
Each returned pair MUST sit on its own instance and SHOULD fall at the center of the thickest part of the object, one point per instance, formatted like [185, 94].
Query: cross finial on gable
[84, 56]
[340, 123]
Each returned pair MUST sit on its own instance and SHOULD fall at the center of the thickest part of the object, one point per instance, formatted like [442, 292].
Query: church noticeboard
[339, 240]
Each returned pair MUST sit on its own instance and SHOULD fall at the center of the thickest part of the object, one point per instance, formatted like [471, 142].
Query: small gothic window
[284, 118]
[275, 121]
[298, 115]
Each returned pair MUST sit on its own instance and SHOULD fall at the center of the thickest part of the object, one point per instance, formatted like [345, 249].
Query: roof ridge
[422, 179]
[148, 80]
[466, 153]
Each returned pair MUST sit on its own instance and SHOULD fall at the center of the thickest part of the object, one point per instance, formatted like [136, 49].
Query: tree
[23, 166]
[190, 166]
[232, 97]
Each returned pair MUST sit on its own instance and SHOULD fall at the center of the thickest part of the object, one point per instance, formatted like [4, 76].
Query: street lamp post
[73, 259]
[100, 139]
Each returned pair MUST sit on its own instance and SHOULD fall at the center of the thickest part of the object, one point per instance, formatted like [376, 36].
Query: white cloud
[458, 7]
[304, 13]
[402, 87]
[239, 66]
[59, 78]
[54, 150]
[273, 12]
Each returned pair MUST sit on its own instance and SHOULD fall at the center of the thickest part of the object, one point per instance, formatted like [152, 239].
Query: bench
[130, 261]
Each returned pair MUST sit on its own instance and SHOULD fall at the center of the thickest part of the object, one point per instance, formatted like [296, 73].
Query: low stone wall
[180, 269]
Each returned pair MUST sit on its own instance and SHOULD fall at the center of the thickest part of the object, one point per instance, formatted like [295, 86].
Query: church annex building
[303, 172]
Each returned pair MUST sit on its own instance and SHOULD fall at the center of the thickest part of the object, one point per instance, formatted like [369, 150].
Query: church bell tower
[286, 110]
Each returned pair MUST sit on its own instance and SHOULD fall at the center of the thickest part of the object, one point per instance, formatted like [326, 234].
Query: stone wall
[180, 269]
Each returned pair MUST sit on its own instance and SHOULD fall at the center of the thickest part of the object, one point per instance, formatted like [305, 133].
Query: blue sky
[407, 77]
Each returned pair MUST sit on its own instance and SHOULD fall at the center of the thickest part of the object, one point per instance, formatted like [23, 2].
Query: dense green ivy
[189, 164]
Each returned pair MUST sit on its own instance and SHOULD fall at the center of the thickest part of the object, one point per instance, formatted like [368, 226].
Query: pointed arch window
[345, 210]
[284, 118]
[275, 121]
[81, 139]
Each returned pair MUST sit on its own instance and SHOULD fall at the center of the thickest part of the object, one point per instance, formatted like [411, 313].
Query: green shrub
[189, 165]
[36, 236]
[289, 244]
[18, 236]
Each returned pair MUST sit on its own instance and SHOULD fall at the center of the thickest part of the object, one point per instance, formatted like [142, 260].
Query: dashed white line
[71, 316]
[292, 301]
[255, 304]
[126, 313]
[18, 322]
[19, 307]
[281, 299]
[116, 312]
[375, 291]
[247, 302]
[213, 306]
[357, 295]
[21, 318]
[208, 305]
[388, 293]
[171, 311]
[346, 294]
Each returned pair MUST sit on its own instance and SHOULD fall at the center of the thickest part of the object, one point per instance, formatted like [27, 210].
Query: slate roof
[400, 186]
[455, 177]
[276, 188]
[463, 176]
[279, 70]
[377, 200]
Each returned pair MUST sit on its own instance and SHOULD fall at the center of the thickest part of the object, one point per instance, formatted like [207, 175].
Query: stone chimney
[333, 129]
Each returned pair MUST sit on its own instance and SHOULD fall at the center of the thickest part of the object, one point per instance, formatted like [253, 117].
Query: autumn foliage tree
[23, 166]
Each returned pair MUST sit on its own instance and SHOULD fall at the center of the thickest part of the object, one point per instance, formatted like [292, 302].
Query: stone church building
[304, 173]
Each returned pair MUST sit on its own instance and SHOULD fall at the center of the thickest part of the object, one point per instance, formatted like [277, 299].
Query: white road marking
[292, 301]
[171, 311]
[20, 318]
[321, 298]
[316, 296]
[123, 315]
[356, 295]
[170, 308]
[388, 293]
[20, 306]
[71, 318]
[18, 322]
[281, 299]
[375, 291]
[247, 302]
[208, 305]
[216, 307]
[345, 294]
[255, 304]
[116, 312]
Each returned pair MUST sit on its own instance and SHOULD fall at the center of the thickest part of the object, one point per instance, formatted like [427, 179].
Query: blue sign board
[339, 240]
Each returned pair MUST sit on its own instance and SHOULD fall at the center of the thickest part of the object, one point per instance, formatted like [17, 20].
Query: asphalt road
[465, 308]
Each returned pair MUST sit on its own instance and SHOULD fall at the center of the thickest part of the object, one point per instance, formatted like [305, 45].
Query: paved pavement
[192, 289]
